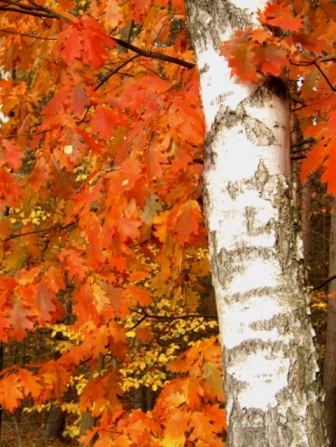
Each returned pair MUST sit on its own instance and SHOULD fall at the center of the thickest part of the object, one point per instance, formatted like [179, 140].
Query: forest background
[108, 322]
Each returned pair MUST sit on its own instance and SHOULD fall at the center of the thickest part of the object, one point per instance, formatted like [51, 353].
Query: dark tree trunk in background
[330, 357]
[55, 423]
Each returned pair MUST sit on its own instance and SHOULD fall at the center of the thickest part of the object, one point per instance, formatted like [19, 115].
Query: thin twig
[324, 283]
[182, 317]
[299, 157]
[154, 54]
[27, 35]
[17, 135]
[55, 227]
[115, 71]
[302, 143]
[325, 76]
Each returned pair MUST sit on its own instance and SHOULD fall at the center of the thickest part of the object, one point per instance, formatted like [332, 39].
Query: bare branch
[26, 35]
[115, 71]
[324, 283]
[55, 227]
[154, 54]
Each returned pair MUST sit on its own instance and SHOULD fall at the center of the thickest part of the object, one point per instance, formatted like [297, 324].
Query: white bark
[269, 357]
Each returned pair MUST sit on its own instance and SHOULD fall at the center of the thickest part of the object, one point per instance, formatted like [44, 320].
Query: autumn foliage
[101, 229]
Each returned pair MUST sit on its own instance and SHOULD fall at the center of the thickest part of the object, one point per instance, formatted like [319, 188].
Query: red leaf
[39, 176]
[281, 16]
[10, 189]
[57, 104]
[90, 142]
[227, 47]
[63, 183]
[139, 8]
[83, 39]
[79, 99]
[12, 156]
[242, 64]
[74, 263]
[105, 120]
[271, 58]
[329, 175]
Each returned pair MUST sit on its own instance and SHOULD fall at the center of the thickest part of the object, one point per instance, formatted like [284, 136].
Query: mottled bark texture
[272, 396]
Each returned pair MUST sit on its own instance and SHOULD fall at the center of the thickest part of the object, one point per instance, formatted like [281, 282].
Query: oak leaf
[10, 392]
[281, 16]
[19, 317]
[44, 302]
[83, 39]
[12, 155]
[30, 384]
[213, 383]
[176, 427]
[105, 120]
[138, 295]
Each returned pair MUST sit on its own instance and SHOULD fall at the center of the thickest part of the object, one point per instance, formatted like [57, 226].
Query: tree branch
[43, 12]
[35, 10]
[302, 143]
[55, 227]
[324, 283]
[325, 76]
[182, 317]
[115, 71]
[154, 54]
[27, 35]
[298, 157]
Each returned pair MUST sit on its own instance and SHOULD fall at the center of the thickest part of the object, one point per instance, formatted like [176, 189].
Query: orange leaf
[12, 155]
[176, 427]
[138, 295]
[281, 16]
[203, 429]
[187, 221]
[18, 317]
[213, 383]
[139, 8]
[144, 334]
[271, 58]
[113, 13]
[29, 383]
[44, 302]
[195, 391]
[10, 189]
[10, 393]
[241, 62]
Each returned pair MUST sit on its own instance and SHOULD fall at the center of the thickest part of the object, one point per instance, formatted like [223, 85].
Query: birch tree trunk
[272, 397]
